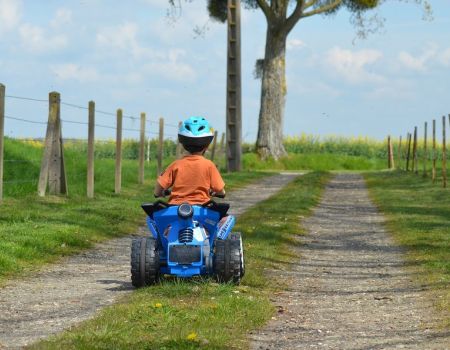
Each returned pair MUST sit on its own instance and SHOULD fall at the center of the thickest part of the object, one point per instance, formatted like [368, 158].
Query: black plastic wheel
[237, 236]
[227, 260]
[144, 261]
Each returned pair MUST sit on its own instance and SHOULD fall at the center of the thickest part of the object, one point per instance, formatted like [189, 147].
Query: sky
[140, 56]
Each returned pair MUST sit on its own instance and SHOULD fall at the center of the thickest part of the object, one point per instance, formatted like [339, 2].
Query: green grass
[198, 313]
[314, 161]
[418, 216]
[35, 231]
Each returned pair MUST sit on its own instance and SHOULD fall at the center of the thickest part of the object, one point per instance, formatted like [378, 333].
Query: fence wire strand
[25, 120]
[26, 98]
[73, 105]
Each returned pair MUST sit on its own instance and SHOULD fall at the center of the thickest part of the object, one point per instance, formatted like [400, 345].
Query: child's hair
[194, 148]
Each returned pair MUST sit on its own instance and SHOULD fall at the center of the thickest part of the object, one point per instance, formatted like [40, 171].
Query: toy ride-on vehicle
[187, 240]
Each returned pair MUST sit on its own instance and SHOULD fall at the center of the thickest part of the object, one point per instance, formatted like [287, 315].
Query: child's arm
[159, 190]
[217, 184]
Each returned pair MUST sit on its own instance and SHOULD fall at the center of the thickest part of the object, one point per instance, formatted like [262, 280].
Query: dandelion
[192, 336]
[158, 305]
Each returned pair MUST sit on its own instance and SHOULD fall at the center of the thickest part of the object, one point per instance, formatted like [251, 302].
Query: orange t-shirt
[191, 178]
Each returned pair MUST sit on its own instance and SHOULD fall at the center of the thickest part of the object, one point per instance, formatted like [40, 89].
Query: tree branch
[295, 15]
[322, 9]
[309, 4]
[266, 9]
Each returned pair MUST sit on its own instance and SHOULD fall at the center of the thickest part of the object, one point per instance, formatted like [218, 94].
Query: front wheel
[237, 236]
[228, 259]
[144, 261]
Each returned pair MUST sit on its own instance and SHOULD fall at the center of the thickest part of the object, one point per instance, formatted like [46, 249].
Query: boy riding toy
[191, 235]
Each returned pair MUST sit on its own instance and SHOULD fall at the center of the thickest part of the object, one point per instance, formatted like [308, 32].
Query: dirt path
[64, 294]
[351, 288]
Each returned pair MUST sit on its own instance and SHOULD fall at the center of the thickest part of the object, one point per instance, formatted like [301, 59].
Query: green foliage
[418, 216]
[198, 313]
[360, 5]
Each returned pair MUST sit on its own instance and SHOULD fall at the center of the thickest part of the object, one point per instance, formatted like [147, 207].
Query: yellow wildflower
[192, 336]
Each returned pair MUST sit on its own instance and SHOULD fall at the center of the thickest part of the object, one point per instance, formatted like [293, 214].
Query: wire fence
[427, 156]
[141, 143]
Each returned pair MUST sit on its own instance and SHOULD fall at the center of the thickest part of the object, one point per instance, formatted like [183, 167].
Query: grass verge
[198, 313]
[418, 216]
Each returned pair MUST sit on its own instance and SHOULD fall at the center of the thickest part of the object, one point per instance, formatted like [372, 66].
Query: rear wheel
[227, 260]
[144, 261]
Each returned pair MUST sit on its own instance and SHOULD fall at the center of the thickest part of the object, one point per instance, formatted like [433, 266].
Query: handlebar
[165, 193]
[169, 191]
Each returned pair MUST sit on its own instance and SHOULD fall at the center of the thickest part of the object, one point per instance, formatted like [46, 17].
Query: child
[193, 177]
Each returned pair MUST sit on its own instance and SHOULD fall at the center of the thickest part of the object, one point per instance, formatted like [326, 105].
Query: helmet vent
[188, 127]
[201, 128]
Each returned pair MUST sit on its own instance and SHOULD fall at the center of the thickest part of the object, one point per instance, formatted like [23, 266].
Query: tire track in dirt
[67, 293]
[351, 288]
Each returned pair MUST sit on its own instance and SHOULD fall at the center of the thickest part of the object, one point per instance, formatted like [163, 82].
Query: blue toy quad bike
[187, 240]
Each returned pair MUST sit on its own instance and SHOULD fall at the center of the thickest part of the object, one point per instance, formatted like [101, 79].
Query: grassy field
[314, 161]
[34, 230]
[418, 216]
[199, 313]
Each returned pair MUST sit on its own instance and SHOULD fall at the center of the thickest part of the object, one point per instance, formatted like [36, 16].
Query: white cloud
[62, 17]
[172, 67]
[35, 39]
[293, 44]
[10, 14]
[352, 66]
[444, 57]
[418, 63]
[72, 71]
[123, 38]
[395, 90]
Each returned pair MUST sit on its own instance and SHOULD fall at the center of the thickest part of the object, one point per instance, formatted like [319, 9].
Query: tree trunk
[273, 96]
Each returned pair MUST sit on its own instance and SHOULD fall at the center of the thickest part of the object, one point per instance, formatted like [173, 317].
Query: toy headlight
[185, 211]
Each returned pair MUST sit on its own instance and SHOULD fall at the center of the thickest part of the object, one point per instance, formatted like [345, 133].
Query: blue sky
[131, 55]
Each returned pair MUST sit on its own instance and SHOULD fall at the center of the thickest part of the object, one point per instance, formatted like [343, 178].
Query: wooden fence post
[160, 146]
[408, 151]
[444, 154]
[91, 145]
[222, 143]
[414, 168]
[425, 149]
[118, 177]
[53, 168]
[142, 150]
[213, 149]
[433, 170]
[400, 158]
[2, 133]
[389, 150]
[179, 148]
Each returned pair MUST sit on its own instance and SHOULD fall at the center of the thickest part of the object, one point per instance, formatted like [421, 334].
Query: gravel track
[67, 293]
[351, 288]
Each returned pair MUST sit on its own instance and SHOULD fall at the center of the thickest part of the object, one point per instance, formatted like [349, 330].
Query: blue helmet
[195, 132]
